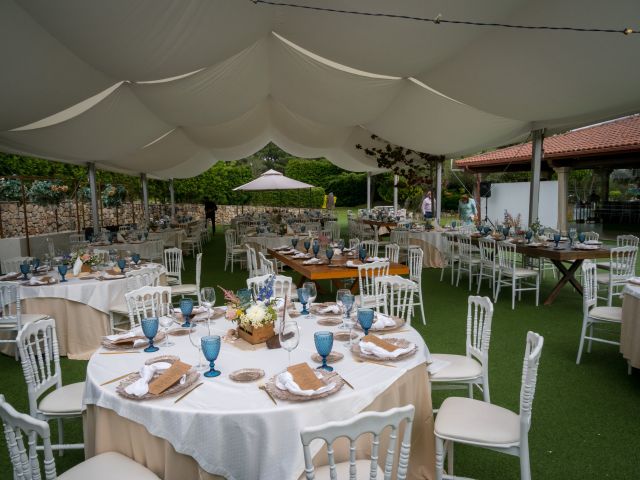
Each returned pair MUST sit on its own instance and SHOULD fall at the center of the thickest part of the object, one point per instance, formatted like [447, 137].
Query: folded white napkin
[302, 255]
[351, 264]
[36, 281]
[377, 259]
[593, 242]
[382, 321]
[279, 303]
[284, 381]
[120, 238]
[436, 365]
[77, 267]
[141, 386]
[136, 332]
[372, 349]
[196, 310]
[635, 280]
[312, 261]
[108, 275]
[330, 309]
[8, 275]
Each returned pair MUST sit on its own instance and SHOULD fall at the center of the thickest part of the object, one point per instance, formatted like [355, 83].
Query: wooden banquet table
[630, 331]
[225, 429]
[325, 272]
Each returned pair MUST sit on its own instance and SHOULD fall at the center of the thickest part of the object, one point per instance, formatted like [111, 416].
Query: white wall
[514, 197]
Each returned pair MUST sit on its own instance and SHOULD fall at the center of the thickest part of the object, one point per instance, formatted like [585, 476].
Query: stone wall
[226, 212]
[42, 220]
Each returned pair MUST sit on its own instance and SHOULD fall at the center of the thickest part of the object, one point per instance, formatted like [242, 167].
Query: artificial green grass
[586, 420]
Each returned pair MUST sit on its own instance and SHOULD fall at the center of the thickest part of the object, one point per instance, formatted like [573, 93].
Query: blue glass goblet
[62, 270]
[245, 295]
[36, 265]
[581, 237]
[150, 329]
[25, 268]
[486, 230]
[479, 227]
[556, 239]
[329, 254]
[303, 227]
[528, 236]
[122, 263]
[505, 232]
[365, 319]
[136, 258]
[453, 224]
[294, 242]
[324, 344]
[347, 302]
[211, 349]
[341, 244]
[362, 253]
[307, 245]
[303, 297]
[316, 249]
[186, 307]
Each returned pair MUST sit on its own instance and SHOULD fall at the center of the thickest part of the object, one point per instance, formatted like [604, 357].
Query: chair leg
[537, 290]
[582, 335]
[513, 293]
[485, 389]
[459, 268]
[470, 387]
[479, 280]
[497, 293]
[590, 337]
[60, 436]
[525, 468]
[439, 458]
[424, 319]
[450, 459]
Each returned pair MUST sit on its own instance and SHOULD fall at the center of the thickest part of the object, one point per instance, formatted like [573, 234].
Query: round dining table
[225, 429]
[630, 331]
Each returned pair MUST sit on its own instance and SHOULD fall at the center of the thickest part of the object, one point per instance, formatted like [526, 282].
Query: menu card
[305, 377]
[172, 375]
[389, 347]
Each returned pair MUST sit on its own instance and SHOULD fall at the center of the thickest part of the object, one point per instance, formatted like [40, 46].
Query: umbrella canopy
[273, 180]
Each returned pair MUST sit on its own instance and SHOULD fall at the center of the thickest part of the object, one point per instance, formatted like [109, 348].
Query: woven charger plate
[178, 332]
[192, 377]
[246, 375]
[325, 376]
[330, 322]
[344, 336]
[128, 346]
[333, 357]
[399, 342]
[316, 307]
[398, 320]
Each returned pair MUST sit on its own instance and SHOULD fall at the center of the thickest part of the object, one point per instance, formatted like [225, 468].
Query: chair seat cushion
[521, 272]
[108, 466]
[363, 471]
[460, 367]
[65, 400]
[184, 289]
[474, 421]
[32, 317]
[172, 281]
[611, 314]
[121, 309]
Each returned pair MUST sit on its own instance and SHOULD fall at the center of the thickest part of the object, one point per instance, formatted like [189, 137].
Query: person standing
[427, 206]
[210, 209]
[467, 209]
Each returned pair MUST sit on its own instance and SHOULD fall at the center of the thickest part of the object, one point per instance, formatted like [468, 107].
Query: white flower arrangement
[258, 315]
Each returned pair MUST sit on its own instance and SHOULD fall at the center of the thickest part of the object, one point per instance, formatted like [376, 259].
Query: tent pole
[536, 163]
[145, 198]
[26, 221]
[438, 191]
[396, 179]
[172, 194]
[368, 190]
[94, 198]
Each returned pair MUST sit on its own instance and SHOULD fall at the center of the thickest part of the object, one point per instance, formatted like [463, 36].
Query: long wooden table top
[326, 272]
[379, 223]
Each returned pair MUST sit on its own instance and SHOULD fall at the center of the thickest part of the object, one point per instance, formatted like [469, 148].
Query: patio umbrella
[273, 180]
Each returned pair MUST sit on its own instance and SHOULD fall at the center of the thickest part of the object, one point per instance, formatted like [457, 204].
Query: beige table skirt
[630, 333]
[432, 257]
[105, 431]
[80, 328]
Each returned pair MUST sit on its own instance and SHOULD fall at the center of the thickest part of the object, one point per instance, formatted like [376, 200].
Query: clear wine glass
[289, 337]
[195, 337]
[208, 299]
[166, 320]
[313, 293]
[339, 295]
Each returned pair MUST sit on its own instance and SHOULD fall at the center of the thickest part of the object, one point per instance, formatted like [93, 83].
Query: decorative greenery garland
[113, 195]
[47, 192]
[10, 190]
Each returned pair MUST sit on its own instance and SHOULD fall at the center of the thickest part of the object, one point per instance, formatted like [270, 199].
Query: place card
[172, 375]
[377, 341]
[305, 377]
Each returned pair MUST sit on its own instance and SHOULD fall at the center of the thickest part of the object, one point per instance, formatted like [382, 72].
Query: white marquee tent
[169, 87]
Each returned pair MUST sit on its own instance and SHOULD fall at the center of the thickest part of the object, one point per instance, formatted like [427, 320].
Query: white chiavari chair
[467, 259]
[487, 263]
[173, 265]
[510, 275]
[233, 251]
[622, 266]
[396, 296]
[147, 302]
[367, 274]
[190, 289]
[12, 319]
[415, 260]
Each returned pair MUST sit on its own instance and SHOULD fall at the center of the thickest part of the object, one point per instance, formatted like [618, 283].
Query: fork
[263, 387]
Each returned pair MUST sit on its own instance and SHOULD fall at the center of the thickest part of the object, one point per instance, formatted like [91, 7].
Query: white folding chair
[354, 243]
[38, 345]
[13, 264]
[415, 260]
[400, 237]
[367, 274]
[482, 424]
[592, 314]
[193, 242]
[252, 260]
[514, 277]
[392, 252]
[190, 289]
[267, 267]
[396, 296]
[147, 302]
[12, 318]
[467, 260]
[366, 423]
[449, 255]
[233, 252]
[155, 250]
[622, 266]
[24, 457]
[456, 372]
[281, 285]
[487, 263]
[173, 265]
[371, 246]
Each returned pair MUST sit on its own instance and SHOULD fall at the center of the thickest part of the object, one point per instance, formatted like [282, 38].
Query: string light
[438, 20]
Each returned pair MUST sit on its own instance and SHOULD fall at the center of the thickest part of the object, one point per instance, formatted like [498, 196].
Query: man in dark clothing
[210, 208]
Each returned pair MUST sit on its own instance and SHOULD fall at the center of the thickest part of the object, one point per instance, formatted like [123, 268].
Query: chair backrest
[173, 263]
[487, 251]
[155, 249]
[198, 271]
[281, 285]
[392, 252]
[13, 264]
[10, 305]
[229, 239]
[371, 246]
[627, 241]
[354, 243]
[532, 353]
[147, 302]
[24, 458]
[135, 279]
[334, 227]
[367, 274]
[622, 264]
[40, 357]
[591, 236]
[103, 255]
[479, 319]
[400, 236]
[365, 423]
[589, 286]
[252, 260]
[506, 255]
[266, 265]
[416, 255]
[464, 246]
[396, 295]
[450, 247]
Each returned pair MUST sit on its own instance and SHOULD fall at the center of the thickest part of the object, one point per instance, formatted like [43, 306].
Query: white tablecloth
[171, 237]
[272, 241]
[432, 244]
[234, 430]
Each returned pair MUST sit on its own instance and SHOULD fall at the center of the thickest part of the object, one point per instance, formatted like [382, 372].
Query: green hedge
[317, 172]
[305, 198]
[350, 189]
[217, 183]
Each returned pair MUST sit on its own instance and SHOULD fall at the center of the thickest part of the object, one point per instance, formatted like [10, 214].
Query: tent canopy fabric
[169, 88]
[273, 180]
